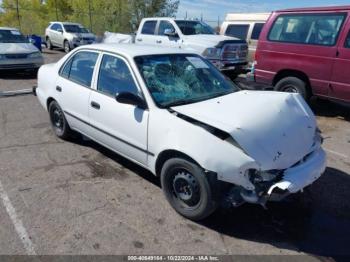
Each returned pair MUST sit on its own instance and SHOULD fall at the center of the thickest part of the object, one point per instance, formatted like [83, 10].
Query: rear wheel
[293, 85]
[58, 121]
[188, 189]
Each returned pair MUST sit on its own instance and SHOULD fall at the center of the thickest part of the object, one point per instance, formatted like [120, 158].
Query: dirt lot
[79, 198]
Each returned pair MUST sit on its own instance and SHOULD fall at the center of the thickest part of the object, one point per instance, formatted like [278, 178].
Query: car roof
[317, 9]
[9, 28]
[132, 50]
[65, 23]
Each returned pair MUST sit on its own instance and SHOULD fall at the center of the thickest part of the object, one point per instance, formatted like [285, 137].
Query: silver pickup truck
[228, 54]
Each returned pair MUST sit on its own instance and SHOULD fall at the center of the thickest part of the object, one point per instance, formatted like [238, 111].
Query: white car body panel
[274, 130]
[279, 147]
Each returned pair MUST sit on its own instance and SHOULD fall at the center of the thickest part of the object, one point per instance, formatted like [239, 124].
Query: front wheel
[49, 43]
[58, 121]
[66, 46]
[188, 189]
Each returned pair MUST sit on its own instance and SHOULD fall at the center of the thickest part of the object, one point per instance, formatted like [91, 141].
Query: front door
[340, 84]
[121, 127]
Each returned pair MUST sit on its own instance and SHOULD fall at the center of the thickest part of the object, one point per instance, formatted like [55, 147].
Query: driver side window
[164, 25]
[115, 77]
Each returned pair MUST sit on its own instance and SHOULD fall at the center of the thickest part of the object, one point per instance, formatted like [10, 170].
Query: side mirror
[170, 32]
[131, 99]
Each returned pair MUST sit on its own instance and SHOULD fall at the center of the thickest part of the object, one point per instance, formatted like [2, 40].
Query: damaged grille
[234, 52]
[16, 56]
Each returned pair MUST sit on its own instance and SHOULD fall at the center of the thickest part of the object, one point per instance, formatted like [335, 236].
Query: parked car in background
[172, 112]
[245, 26]
[306, 51]
[16, 52]
[67, 35]
[228, 54]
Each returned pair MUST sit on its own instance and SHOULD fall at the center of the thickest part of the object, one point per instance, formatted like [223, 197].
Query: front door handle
[159, 41]
[139, 39]
[95, 105]
[59, 89]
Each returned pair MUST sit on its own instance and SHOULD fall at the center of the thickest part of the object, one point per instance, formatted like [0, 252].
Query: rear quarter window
[149, 28]
[238, 31]
[257, 30]
[312, 29]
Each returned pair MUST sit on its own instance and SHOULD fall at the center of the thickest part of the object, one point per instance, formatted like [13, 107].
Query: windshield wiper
[181, 102]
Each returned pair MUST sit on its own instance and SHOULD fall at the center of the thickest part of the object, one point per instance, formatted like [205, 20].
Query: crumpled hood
[276, 129]
[17, 48]
[205, 41]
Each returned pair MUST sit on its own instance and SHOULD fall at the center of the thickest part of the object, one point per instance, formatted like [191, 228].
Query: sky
[211, 9]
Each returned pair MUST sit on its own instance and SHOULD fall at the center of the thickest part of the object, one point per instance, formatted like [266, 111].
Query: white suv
[67, 35]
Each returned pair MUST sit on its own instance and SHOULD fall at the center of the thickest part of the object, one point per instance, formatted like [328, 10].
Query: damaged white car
[175, 114]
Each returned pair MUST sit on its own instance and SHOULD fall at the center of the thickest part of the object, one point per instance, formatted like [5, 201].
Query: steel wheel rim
[66, 47]
[185, 189]
[290, 89]
[57, 119]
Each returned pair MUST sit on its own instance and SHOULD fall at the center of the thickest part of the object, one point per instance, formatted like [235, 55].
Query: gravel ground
[80, 198]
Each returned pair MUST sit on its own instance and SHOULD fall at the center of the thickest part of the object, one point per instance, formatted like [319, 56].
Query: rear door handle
[59, 89]
[95, 105]
[139, 39]
[159, 41]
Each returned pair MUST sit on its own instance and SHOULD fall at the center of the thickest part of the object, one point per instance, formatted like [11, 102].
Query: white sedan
[175, 114]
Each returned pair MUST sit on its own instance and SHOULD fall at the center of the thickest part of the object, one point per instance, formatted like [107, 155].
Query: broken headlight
[212, 53]
[256, 176]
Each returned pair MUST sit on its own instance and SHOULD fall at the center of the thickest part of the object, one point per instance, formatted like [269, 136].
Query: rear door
[74, 88]
[146, 33]
[340, 84]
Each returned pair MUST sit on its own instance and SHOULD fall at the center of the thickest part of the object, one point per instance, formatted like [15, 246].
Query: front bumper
[303, 174]
[239, 65]
[28, 63]
[290, 181]
[83, 42]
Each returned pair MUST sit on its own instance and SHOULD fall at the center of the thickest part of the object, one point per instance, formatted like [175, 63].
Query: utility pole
[18, 16]
[201, 17]
[90, 16]
[56, 10]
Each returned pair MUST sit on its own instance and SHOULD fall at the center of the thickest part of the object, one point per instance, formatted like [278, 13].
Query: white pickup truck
[228, 54]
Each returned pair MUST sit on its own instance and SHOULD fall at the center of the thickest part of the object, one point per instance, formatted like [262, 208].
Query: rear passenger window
[115, 77]
[80, 68]
[314, 29]
[347, 41]
[238, 31]
[257, 30]
[149, 28]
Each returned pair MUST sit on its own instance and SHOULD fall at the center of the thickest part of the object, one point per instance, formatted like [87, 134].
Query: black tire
[48, 43]
[66, 46]
[58, 121]
[293, 85]
[188, 189]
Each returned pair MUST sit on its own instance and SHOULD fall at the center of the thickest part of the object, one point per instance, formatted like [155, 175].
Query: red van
[306, 51]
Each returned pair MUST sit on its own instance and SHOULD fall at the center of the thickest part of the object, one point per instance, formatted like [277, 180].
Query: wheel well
[292, 73]
[49, 100]
[168, 154]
